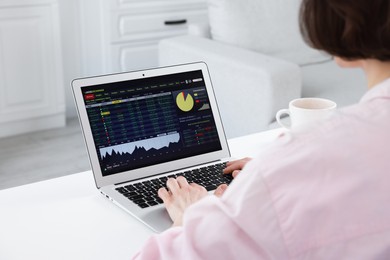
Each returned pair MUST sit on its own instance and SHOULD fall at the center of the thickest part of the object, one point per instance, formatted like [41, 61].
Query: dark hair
[350, 29]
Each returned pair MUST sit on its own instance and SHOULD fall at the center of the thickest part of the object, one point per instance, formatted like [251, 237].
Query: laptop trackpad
[158, 220]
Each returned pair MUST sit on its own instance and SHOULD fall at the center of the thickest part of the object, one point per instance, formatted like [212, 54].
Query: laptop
[143, 127]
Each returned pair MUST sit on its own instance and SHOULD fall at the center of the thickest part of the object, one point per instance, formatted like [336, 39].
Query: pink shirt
[319, 194]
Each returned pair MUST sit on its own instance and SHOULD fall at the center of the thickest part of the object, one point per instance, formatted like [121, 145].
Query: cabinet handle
[175, 22]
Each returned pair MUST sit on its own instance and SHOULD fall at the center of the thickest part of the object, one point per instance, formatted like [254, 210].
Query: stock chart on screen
[143, 122]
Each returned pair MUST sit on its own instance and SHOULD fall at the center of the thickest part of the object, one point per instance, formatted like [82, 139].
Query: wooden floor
[43, 155]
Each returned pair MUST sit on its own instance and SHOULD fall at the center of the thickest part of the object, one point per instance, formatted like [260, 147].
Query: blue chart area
[156, 143]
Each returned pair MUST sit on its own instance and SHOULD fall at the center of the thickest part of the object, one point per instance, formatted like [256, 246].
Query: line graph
[155, 143]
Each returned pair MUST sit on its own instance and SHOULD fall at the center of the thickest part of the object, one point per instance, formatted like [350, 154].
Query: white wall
[71, 48]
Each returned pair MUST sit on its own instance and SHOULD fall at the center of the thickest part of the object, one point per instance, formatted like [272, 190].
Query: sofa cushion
[266, 26]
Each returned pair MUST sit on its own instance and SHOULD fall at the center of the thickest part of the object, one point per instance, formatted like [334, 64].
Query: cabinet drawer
[122, 3]
[126, 26]
[182, 4]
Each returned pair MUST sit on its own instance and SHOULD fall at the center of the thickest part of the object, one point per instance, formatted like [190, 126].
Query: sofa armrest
[249, 86]
[199, 30]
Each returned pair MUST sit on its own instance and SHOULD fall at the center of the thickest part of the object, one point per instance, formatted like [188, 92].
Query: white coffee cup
[306, 111]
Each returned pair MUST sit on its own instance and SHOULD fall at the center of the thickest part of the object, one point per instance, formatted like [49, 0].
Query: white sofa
[252, 84]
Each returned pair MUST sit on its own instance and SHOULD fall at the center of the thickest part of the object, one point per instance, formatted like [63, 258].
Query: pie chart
[184, 101]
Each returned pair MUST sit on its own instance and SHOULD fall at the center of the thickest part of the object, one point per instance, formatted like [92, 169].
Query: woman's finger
[182, 182]
[173, 186]
[220, 190]
[164, 195]
[236, 165]
[235, 173]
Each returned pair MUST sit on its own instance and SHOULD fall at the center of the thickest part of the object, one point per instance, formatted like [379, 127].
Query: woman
[319, 194]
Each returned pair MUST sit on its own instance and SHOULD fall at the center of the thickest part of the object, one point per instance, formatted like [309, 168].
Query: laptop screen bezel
[148, 171]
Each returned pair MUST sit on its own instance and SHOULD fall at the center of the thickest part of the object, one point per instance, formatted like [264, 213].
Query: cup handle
[279, 115]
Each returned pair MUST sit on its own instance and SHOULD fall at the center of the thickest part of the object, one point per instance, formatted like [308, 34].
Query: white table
[67, 218]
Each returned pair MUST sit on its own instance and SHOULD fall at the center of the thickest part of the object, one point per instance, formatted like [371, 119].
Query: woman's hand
[235, 167]
[180, 196]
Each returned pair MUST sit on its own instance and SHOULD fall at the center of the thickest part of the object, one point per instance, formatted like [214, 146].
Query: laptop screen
[144, 122]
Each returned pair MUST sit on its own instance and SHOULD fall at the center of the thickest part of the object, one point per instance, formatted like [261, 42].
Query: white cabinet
[123, 35]
[31, 83]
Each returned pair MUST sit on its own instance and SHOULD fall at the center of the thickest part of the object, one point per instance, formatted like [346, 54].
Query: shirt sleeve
[240, 225]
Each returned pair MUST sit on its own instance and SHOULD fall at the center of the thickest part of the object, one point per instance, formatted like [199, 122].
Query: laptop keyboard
[144, 194]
